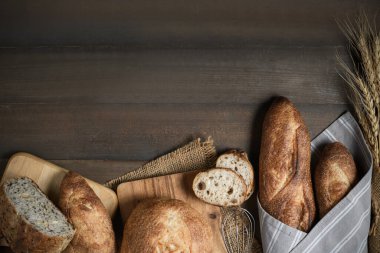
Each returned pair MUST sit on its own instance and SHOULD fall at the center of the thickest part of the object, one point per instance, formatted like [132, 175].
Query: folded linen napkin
[345, 228]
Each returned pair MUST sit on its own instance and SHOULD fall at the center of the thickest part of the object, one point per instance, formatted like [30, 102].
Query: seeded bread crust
[20, 234]
[211, 187]
[84, 209]
[240, 165]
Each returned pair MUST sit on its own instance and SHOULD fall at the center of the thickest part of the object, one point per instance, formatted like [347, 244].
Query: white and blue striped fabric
[345, 228]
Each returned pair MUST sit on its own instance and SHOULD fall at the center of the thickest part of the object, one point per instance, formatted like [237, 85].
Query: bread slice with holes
[220, 186]
[29, 221]
[238, 162]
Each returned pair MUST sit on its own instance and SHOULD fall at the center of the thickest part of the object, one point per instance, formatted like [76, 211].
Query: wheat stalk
[376, 59]
[364, 92]
[363, 103]
[364, 80]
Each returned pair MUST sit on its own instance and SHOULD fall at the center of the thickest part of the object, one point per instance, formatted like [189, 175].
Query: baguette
[94, 232]
[286, 190]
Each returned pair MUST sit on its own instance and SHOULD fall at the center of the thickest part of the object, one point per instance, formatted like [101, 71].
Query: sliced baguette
[29, 221]
[220, 186]
[238, 162]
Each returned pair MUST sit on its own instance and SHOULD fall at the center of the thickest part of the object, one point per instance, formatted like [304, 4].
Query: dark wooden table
[99, 87]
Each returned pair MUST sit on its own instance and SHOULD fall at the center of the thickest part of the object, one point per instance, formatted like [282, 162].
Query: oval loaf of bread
[220, 186]
[166, 226]
[238, 162]
[94, 232]
[335, 175]
[29, 221]
[285, 189]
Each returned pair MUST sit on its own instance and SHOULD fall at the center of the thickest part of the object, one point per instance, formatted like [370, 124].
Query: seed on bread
[29, 221]
[238, 162]
[220, 186]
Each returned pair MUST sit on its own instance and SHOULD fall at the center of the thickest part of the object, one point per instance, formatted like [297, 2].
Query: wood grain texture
[137, 131]
[175, 76]
[175, 23]
[99, 87]
[177, 186]
[49, 176]
[99, 170]
[96, 170]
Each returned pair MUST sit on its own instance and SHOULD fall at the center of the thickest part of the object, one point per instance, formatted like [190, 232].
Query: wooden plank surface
[97, 170]
[137, 131]
[100, 87]
[48, 177]
[175, 23]
[176, 186]
[207, 76]
[107, 103]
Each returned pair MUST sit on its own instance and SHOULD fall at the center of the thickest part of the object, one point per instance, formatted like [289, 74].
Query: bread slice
[220, 186]
[29, 220]
[83, 208]
[238, 162]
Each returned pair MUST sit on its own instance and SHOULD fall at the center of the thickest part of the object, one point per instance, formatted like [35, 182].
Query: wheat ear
[364, 80]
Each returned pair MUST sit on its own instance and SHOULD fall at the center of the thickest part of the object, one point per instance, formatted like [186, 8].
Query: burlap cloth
[193, 156]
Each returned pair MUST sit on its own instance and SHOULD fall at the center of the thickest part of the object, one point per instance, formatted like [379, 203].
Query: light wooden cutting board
[48, 177]
[177, 186]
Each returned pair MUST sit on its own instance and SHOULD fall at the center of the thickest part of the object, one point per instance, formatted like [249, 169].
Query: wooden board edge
[58, 168]
[191, 174]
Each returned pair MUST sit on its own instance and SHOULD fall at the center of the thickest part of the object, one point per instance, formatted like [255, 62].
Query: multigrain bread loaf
[166, 225]
[94, 232]
[238, 161]
[335, 175]
[285, 189]
[220, 186]
[29, 220]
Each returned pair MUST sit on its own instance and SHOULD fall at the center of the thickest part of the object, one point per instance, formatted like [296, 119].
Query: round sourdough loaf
[335, 176]
[165, 225]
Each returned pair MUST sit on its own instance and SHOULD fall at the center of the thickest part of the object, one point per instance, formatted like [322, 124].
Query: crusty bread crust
[335, 175]
[243, 156]
[285, 180]
[20, 234]
[94, 232]
[165, 225]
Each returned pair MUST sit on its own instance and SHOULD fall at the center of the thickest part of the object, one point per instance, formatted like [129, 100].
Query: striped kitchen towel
[345, 228]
